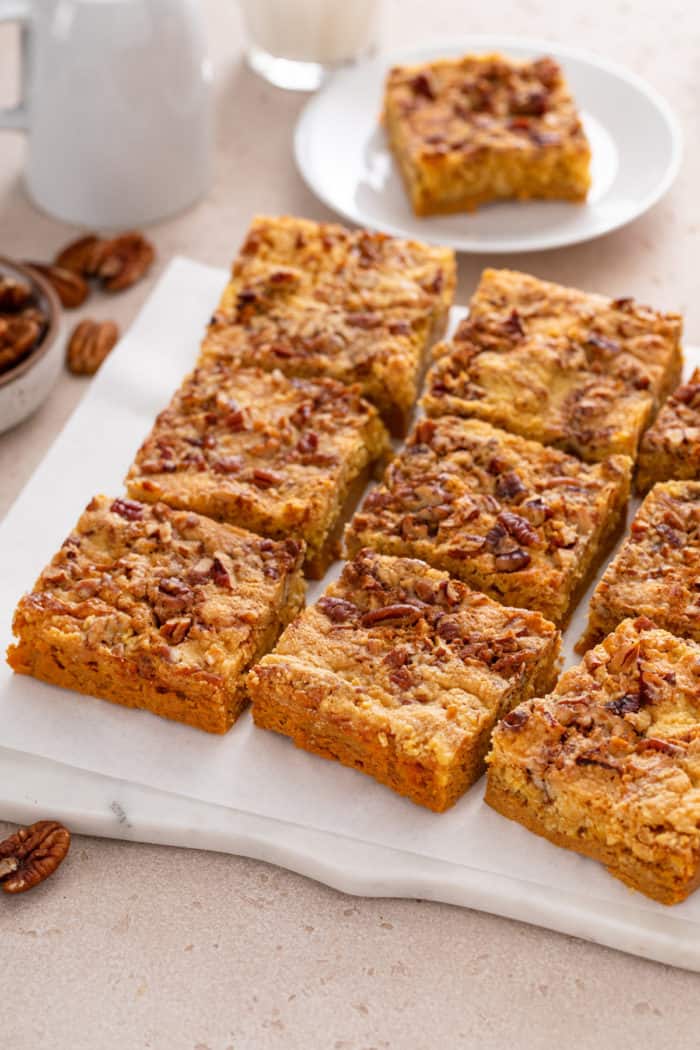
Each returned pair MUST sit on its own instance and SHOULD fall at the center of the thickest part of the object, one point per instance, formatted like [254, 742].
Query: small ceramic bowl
[24, 387]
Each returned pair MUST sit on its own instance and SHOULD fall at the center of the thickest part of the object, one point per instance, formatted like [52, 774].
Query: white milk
[327, 32]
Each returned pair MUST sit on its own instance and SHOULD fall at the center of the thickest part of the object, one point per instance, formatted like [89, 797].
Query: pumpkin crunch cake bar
[609, 763]
[157, 608]
[401, 672]
[671, 447]
[656, 572]
[315, 299]
[564, 367]
[283, 457]
[475, 129]
[525, 524]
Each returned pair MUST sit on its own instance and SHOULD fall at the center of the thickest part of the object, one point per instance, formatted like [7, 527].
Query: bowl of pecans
[30, 354]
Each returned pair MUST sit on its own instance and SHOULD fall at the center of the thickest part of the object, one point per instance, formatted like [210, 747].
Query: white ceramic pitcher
[116, 103]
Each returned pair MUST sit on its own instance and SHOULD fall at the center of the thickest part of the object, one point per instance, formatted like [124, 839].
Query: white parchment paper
[249, 770]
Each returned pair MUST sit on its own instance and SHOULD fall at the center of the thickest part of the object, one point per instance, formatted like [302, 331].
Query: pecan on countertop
[32, 854]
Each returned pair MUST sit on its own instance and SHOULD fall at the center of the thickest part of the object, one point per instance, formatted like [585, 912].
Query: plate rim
[441, 48]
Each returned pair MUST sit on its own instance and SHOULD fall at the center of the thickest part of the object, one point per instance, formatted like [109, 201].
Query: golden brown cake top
[618, 337]
[318, 296]
[419, 645]
[623, 727]
[342, 265]
[545, 387]
[145, 581]
[257, 432]
[366, 281]
[676, 429]
[657, 570]
[482, 101]
[496, 500]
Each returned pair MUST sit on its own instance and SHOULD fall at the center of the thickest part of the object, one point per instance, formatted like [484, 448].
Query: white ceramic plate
[635, 138]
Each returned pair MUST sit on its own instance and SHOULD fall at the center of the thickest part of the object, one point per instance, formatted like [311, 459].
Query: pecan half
[89, 344]
[82, 256]
[124, 261]
[14, 294]
[400, 611]
[265, 479]
[18, 335]
[32, 854]
[70, 287]
[519, 528]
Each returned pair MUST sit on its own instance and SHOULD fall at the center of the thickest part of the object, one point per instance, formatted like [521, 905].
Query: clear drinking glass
[294, 43]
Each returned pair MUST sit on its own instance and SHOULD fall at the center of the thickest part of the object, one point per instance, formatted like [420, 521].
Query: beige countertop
[140, 946]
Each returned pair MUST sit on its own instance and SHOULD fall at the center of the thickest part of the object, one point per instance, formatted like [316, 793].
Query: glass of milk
[294, 43]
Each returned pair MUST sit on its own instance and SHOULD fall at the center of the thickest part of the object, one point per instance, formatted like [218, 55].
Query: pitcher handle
[17, 117]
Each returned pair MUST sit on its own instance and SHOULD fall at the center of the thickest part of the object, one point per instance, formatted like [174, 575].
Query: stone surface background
[140, 946]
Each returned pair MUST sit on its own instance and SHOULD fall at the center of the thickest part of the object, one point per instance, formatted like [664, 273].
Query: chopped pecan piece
[32, 854]
[530, 103]
[623, 705]
[511, 561]
[363, 320]
[603, 342]
[509, 487]
[220, 574]
[624, 658]
[337, 609]
[513, 324]
[538, 510]
[519, 528]
[201, 570]
[227, 464]
[176, 629]
[127, 508]
[652, 743]
[425, 431]
[423, 86]
[516, 719]
[308, 442]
